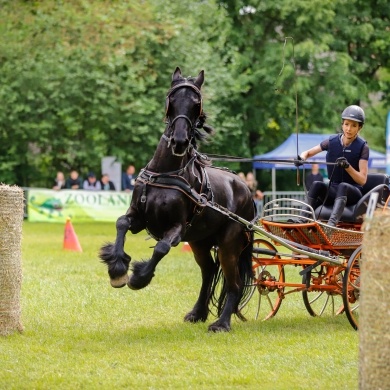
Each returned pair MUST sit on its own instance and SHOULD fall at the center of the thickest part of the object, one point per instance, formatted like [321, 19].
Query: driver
[350, 152]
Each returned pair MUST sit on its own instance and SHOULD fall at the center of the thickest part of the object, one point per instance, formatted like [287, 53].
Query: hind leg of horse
[228, 254]
[232, 299]
[208, 268]
[114, 256]
[143, 271]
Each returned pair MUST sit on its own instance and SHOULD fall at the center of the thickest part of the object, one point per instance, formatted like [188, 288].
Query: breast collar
[176, 181]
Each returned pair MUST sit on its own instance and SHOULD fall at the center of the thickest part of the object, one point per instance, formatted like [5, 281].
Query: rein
[297, 162]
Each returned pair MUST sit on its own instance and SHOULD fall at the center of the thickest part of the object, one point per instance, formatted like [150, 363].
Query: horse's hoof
[133, 286]
[136, 281]
[120, 282]
[193, 318]
[219, 328]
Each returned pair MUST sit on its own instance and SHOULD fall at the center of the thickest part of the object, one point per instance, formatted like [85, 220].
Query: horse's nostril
[180, 142]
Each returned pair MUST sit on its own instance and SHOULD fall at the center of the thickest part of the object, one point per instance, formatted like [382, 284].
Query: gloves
[342, 162]
[299, 161]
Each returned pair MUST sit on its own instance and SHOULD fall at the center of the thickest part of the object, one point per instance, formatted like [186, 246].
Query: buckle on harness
[202, 200]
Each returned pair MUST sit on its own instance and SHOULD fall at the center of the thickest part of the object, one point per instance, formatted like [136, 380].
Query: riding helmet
[354, 113]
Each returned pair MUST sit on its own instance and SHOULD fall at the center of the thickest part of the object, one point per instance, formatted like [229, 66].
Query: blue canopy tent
[288, 151]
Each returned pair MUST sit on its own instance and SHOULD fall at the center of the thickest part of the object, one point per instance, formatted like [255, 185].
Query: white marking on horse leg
[120, 282]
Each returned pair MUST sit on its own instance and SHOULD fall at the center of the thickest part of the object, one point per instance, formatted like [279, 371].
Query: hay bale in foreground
[11, 220]
[374, 311]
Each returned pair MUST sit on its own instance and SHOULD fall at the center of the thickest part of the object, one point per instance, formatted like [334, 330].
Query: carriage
[181, 197]
[328, 257]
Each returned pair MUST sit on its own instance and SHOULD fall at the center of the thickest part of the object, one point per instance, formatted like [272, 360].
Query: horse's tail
[246, 271]
[246, 276]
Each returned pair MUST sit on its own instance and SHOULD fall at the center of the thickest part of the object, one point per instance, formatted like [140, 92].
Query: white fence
[268, 195]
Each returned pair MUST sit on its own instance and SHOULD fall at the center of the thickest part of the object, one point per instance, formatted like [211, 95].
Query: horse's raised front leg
[208, 269]
[114, 256]
[143, 271]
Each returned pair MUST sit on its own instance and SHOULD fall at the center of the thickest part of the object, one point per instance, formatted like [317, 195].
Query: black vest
[352, 153]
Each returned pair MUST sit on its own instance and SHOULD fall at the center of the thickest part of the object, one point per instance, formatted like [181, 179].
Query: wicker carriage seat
[376, 182]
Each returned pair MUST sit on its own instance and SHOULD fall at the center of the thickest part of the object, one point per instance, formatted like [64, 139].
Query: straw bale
[374, 310]
[11, 220]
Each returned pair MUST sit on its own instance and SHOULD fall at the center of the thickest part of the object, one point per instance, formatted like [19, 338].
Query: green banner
[81, 206]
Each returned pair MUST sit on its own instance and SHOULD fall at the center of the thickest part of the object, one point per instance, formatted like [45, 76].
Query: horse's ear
[200, 79]
[176, 74]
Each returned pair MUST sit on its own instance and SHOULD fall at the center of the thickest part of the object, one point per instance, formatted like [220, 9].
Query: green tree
[339, 48]
[332, 58]
[85, 79]
[78, 82]
[90, 78]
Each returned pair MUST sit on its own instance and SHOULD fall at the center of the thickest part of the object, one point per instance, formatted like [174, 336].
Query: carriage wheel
[351, 288]
[320, 302]
[270, 297]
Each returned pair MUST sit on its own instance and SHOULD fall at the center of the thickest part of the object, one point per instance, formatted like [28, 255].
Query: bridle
[170, 122]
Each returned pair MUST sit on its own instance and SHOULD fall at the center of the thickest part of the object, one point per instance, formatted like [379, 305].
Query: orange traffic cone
[186, 247]
[71, 242]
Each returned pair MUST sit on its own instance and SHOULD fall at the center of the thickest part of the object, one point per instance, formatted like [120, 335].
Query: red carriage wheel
[320, 301]
[268, 280]
[351, 288]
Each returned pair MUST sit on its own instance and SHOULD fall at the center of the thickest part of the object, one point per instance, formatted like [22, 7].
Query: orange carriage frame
[328, 259]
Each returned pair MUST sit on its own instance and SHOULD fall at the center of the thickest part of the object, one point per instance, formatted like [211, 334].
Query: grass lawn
[80, 333]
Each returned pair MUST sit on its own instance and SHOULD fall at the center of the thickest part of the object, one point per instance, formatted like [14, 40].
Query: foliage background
[85, 79]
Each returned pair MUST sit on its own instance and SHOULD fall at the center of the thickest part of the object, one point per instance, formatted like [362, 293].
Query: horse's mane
[203, 130]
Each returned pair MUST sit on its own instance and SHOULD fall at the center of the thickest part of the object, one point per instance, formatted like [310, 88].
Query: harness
[199, 192]
[175, 181]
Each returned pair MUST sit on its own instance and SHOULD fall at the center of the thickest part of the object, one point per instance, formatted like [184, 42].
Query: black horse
[175, 199]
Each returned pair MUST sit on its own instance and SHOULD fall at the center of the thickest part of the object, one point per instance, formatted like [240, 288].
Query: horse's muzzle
[179, 148]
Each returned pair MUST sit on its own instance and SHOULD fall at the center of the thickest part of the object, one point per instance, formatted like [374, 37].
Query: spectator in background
[59, 181]
[128, 178]
[257, 195]
[91, 184]
[315, 175]
[106, 184]
[74, 182]
[241, 175]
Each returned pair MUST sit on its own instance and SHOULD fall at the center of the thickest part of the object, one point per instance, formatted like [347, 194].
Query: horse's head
[183, 110]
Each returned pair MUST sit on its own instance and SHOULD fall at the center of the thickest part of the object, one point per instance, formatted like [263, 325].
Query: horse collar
[175, 180]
